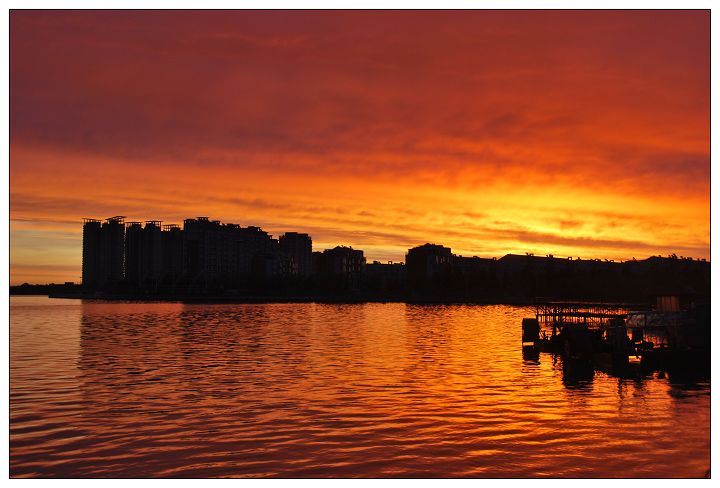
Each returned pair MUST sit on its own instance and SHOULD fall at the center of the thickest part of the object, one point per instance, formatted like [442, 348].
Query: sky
[572, 133]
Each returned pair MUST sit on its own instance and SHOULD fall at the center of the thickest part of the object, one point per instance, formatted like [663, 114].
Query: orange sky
[573, 133]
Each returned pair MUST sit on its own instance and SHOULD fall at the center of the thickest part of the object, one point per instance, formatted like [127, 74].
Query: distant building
[253, 241]
[103, 264]
[299, 248]
[223, 252]
[113, 246]
[427, 261]
[316, 262]
[211, 249]
[474, 274]
[152, 259]
[343, 264]
[204, 252]
[133, 253]
[92, 254]
[112, 270]
[172, 253]
[207, 256]
[272, 265]
[385, 277]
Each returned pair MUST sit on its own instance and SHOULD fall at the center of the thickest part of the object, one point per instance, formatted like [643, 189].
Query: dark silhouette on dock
[621, 339]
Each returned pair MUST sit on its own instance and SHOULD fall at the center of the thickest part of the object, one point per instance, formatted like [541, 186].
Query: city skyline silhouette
[208, 258]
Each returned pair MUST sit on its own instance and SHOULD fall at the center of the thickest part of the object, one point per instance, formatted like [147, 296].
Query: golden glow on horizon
[378, 217]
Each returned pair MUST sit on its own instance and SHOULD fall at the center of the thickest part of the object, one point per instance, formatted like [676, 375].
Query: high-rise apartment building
[298, 247]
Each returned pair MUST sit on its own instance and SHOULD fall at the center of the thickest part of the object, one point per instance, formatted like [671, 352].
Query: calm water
[299, 390]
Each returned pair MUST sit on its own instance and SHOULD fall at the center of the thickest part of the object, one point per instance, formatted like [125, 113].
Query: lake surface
[311, 390]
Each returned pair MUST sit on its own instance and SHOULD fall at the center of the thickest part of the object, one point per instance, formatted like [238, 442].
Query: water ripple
[310, 390]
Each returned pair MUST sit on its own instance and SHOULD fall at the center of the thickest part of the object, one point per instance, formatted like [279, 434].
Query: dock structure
[638, 319]
[559, 324]
[593, 315]
[621, 331]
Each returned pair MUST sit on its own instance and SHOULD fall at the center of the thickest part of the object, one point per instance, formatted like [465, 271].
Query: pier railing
[590, 314]
[623, 330]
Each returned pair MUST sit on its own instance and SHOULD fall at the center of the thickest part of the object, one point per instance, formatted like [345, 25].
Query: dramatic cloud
[585, 133]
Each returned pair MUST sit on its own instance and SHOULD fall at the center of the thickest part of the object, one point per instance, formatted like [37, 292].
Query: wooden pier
[620, 332]
[590, 314]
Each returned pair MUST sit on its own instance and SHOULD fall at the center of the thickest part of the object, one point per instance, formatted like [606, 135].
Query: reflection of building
[299, 248]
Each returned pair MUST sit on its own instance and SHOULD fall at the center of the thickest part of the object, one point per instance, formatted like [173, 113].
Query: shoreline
[268, 299]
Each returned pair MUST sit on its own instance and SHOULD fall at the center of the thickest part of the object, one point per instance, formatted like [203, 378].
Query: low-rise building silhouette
[341, 265]
[386, 278]
[428, 263]
[299, 248]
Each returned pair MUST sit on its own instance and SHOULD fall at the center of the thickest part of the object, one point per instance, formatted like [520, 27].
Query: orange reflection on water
[291, 390]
